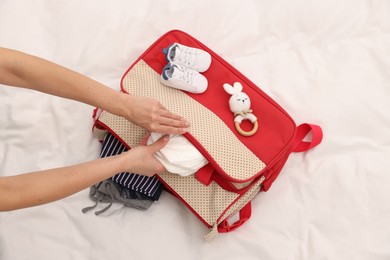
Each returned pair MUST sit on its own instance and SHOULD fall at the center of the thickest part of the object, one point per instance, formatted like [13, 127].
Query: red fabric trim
[204, 174]
[272, 173]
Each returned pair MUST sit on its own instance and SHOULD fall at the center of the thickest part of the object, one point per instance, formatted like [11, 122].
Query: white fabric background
[325, 62]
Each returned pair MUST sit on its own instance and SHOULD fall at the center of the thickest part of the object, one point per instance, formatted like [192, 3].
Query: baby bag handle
[244, 215]
[299, 145]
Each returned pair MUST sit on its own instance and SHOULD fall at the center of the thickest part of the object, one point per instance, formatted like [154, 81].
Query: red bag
[239, 166]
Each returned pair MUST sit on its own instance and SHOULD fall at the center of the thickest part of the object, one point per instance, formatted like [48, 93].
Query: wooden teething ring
[245, 133]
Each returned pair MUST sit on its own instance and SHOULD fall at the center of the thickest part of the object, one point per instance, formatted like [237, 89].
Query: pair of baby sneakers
[184, 68]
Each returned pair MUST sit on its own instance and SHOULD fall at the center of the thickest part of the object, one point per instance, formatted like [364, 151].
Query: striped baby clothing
[146, 187]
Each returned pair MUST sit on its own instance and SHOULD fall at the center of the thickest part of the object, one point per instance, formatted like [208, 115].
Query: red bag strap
[299, 145]
[245, 214]
[204, 174]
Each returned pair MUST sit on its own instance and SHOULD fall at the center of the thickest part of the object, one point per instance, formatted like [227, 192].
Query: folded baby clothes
[109, 192]
[179, 156]
[139, 186]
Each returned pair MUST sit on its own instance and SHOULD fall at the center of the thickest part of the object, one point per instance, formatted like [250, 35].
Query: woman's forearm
[23, 70]
[36, 188]
[31, 72]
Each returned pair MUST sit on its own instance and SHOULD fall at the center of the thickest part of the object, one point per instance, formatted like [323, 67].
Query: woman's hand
[141, 159]
[150, 114]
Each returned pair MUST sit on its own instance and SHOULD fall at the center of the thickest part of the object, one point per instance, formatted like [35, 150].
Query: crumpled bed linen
[325, 62]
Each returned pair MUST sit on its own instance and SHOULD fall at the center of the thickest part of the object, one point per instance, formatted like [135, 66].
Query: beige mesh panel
[131, 134]
[206, 127]
[99, 133]
[208, 201]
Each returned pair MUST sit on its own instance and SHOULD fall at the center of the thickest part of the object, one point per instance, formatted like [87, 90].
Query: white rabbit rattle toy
[240, 104]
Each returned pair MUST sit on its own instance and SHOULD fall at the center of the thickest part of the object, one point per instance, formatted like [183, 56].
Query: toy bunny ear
[229, 89]
[237, 86]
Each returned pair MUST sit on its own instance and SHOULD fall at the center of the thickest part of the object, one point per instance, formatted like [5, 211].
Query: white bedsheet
[325, 62]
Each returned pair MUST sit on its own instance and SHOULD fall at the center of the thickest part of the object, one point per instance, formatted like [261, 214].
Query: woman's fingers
[169, 123]
[175, 120]
[149, 113]
[170, 130]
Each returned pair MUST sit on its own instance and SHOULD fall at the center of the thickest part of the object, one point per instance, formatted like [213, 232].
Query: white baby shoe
[180, 77]
[192, 58]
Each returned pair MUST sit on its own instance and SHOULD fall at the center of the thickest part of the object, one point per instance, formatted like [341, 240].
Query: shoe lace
[184, 74]
[187, 55]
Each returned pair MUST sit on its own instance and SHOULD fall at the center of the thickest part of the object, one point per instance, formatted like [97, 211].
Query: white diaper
[179, 156]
